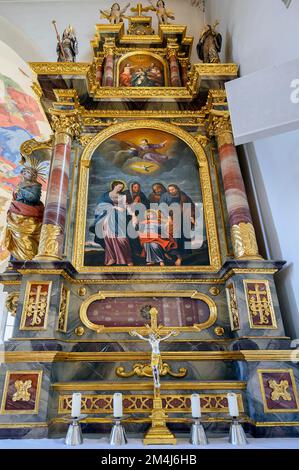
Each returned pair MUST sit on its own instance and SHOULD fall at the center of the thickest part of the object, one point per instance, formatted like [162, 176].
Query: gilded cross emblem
[22, 393]
[37, 306]
[139, 9]
[259, 304]
[280, 390]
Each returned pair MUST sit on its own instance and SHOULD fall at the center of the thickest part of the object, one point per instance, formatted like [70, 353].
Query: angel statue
[116, 14]
[209, 44]
[25, 214]
[67, 46]
[161, 11]
[154, 339]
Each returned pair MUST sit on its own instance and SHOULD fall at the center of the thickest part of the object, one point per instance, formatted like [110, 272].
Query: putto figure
[67, 47]
[25, 214]
[162, 13]
[209, 45]
[116, 15]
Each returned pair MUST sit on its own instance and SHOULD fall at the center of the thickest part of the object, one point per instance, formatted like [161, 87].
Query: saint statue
[209, 45]
[25, 214]
[162, 13]
[67, 47]
[116, 14]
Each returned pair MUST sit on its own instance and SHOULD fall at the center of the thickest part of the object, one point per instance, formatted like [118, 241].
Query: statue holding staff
[210, 44]
[67, 47]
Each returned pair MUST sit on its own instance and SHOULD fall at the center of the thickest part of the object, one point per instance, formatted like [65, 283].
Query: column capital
[184, 61]
[109, 47]
[66, 123]
[172, 52]
[219, 125]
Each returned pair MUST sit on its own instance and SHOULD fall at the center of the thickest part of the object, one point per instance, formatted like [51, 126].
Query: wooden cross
[139, 9]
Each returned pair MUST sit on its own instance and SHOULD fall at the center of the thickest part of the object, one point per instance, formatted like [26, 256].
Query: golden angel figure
[162, 12]
[25, 214]
[116, 14]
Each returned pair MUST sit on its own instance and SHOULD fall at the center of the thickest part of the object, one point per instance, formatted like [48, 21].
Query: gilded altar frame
[102, 295]
[158, 57]
[207, 198]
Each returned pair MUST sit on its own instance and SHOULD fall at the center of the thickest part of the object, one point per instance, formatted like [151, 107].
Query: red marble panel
[21, 393]
[274, 400]
[125, 312]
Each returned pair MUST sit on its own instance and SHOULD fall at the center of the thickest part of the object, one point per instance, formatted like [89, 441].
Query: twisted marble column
[51, 242]
[175, 79]
[242, 230]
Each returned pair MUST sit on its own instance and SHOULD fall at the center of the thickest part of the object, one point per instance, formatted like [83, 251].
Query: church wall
[271, 161]
[36, 22]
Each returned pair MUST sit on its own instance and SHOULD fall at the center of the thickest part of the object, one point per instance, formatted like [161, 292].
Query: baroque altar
[142, 123]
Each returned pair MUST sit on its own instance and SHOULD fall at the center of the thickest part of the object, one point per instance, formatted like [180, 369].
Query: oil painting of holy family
[145, 203]
[142, 70]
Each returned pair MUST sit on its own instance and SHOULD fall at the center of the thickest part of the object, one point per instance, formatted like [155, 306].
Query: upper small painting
[142, 70]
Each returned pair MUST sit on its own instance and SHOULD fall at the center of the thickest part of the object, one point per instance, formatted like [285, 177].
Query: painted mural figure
[116, 14]
[110, 226]
[176, 198]
[134, 195]
[147, 151]
[209, 45]
[155, 244]
[149, 77]
[155, 76]
[162, 13]
[25, 215]
[67, 48]
[126, 76]
[158, 190]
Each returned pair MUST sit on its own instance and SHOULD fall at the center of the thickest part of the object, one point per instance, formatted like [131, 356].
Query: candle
[195, 406]
[76, 405]
[118, 405]
[233, 405]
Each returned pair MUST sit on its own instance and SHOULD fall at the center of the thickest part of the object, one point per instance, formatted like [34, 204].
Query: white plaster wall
[33, 20]
[258, 34]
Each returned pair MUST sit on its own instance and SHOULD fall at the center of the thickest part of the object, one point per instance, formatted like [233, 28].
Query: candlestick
[195, 406]
[233, 405]
[118, 405]
[76, 405]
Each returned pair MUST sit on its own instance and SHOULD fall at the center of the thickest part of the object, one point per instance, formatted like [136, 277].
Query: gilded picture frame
[131, 55]
[207, 197]
[102, 295]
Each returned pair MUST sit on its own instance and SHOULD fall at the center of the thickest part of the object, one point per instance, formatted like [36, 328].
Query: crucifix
[158, 432]
[154, 339]
[139, 9]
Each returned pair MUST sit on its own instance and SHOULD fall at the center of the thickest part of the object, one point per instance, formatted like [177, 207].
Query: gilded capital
[109, 47]
[172, 52]
[220, 127]
[66, 124]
